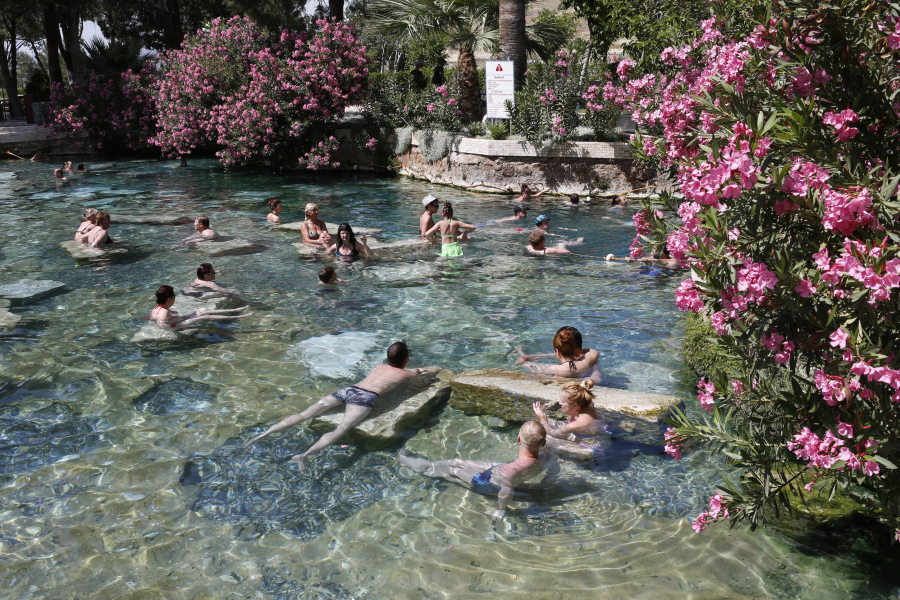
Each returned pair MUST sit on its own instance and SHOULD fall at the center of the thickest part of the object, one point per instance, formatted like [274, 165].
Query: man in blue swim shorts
[357, 399]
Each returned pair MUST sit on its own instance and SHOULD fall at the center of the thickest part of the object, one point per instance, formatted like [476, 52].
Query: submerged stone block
[8, 319]
[225, 245]
[151, 219]
[332, 228]
[393, 413]
[184, 305]
[510, 395]
[79, 250]
[30, 290]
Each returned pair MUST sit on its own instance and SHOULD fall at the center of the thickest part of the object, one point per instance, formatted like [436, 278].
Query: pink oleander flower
[705, 395]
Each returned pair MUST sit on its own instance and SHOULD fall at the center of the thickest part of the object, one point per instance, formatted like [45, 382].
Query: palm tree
[109, 59]
[512, 37]
[472, 25]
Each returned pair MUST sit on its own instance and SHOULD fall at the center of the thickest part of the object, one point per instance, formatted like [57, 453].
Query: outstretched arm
[466, 226]
[432, 230]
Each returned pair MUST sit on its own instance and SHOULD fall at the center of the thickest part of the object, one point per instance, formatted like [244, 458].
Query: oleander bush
[253, 97]
[780, 126]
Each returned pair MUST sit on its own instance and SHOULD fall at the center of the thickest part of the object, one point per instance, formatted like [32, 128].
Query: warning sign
[499, 84]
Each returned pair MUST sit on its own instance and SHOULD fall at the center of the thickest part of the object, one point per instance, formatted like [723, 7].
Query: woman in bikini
[169, 319]
[98, 236]
[449, 229]
[584, 427]
[313, 228]
[348, 249]
[574, 360]
[90, 223]
[275, 210]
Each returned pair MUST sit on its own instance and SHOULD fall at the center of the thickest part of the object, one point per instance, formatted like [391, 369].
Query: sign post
[500, 84]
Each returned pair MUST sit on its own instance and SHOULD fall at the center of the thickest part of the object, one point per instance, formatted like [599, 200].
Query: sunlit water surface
[121, 473]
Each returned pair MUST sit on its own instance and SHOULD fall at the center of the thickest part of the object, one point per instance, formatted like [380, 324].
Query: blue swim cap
[541, 219]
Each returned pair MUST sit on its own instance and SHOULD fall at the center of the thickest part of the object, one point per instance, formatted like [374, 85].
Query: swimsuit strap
[572, 365]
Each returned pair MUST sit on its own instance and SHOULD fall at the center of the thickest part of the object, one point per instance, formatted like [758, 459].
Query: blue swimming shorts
[357, 396]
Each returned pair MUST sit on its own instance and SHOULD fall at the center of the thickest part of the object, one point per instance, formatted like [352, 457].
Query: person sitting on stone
[206, 282]
[537, 244]
[169, 319]
[358, 399]
[327, 276]
[584, 427]
[574, 361]
[527, 195]
[313, 229]
[98, 236]
[201, 225]
[275, 206]
[88, 225]
[485, 477]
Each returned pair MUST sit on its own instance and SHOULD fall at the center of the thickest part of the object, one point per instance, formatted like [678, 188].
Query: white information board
[500, 83]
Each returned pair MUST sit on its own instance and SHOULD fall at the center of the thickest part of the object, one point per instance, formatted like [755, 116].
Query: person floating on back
[358, 399]
[491, 478]
[449, 229]
[169, 319]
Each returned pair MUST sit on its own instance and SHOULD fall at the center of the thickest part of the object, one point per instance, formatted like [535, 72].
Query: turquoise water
[121, 473]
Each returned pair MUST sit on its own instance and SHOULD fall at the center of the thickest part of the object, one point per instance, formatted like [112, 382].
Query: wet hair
[58, 172]
[533, 434]
[536, 238]
[90, 214]
[164, 293]
[580, 394]
[520, 209]
[351, 239]
[274, 203]
[326, 274]
[447, 211]
[81, 166]
[564, 343]
[573, 198]
[204, 220]
[103, 216]
[204, 270]
[397, 354]
[525, 188]
[309, 208]
[576, 335]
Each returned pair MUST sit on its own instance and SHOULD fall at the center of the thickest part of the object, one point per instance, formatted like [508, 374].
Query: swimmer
[183, 162]
[327, 276]
[528, 195]
[358, 399]
[426, 219]
[59, 174]
[80, 168]
[449, 229]
[574, 361]
[275, 206]
[348, 249]
[519, 212]
[485, 477]
[206, 280]
[39, 156]
[573, 200]
[542, 222]
[169, 319]
[67, 166]
[537, 244]
[90, 222]
[619, 201]
[98, 235]
[201, 225]
[577, 401]
[313, 228]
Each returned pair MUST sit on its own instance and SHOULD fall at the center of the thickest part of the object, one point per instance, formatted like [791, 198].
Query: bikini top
[353, 253]
[450, 220]
[312, 234]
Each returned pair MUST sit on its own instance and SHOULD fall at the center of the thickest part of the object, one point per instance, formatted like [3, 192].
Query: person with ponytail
[347, 249]
[450, 233]
[576, 400]
[574, 361]
[275, 206]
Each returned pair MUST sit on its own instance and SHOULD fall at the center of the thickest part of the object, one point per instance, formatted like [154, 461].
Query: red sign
[499, 68]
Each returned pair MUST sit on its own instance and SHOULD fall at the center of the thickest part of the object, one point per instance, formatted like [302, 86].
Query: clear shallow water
[121, 473]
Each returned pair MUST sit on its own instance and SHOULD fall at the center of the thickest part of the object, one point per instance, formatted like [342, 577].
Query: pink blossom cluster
[839, 122]
[860, 265]
[823, 453]
[687, 297]
[234, 88]
[705, 395]
[715, 512]
[320, 155]
[591, 95]
[673, 448]
[775, 342]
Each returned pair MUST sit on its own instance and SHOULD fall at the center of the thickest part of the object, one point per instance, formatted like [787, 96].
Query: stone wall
[501, 166]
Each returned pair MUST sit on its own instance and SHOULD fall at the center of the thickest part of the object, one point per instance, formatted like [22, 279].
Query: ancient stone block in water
[407, 244]
[176, 396]
[511, 394]
[30, 290]
[79, 250]
[226, 245]
[331, 227]
[8, 319]
[184, 305]
[151, 219]
[394, 413]
[334, 356]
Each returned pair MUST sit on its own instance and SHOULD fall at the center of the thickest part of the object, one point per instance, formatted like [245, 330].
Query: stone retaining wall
[501, 166]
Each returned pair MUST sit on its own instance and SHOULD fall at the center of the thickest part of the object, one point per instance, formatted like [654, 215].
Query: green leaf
[885, 462]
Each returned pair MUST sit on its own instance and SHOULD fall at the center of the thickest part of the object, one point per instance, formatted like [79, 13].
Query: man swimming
[537, 244]
[358, 399]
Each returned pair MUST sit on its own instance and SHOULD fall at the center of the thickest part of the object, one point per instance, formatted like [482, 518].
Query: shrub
[498, 131]
[476, 129]
[38, 83]
[544, 112]
[780, 128]
[404, 140]
[251, 96]
[600, 183]
[435, 144]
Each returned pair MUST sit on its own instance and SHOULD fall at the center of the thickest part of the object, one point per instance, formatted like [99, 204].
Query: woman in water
[206, 282]
[348, 249]
[313, 228]
[89, 224]
[574, 360]
[169, 319]
[275, 210]
[449, 229]
[528, 195]
[98, 236]
[577, 401]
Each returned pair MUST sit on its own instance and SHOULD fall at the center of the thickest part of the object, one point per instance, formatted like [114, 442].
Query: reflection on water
[121, 472]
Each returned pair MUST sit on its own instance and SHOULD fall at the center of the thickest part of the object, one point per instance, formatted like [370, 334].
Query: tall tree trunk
[71, 29]
[173, 35]
[51, 32]
[336, 9]
[13, 51]
[512, 37]
[8, 82]
[469, 86]
[584, 67]
[37, 56]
